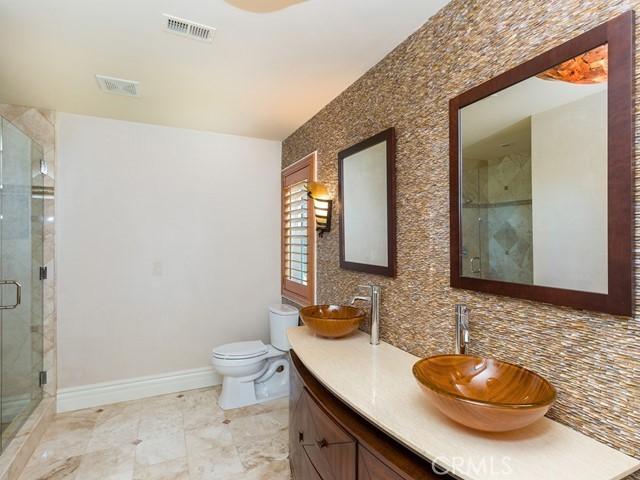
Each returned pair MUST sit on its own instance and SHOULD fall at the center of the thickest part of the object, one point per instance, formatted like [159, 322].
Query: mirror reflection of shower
[534, 179]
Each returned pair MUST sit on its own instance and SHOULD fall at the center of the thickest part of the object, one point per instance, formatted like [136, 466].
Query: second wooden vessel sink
[482, 393]
[332, 321]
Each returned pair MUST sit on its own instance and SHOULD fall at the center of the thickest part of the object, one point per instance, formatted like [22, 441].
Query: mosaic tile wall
[593, 359]
[39, 124]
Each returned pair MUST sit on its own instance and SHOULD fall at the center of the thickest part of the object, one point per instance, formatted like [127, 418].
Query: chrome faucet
[462, 328]
[374, 301]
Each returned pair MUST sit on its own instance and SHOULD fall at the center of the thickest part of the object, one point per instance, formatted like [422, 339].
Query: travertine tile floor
[183, 436]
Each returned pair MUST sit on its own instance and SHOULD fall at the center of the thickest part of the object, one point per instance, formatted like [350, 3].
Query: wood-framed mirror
[541, 176]
[366, 174]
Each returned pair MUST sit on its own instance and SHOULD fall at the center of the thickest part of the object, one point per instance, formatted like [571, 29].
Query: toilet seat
[240, 350]
[254, 372]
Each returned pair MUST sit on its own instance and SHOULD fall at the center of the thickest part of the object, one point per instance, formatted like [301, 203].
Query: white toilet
[252, 371]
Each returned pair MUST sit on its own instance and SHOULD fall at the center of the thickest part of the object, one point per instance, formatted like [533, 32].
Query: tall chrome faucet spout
[462, 328]
[374, 301]
[359, 297]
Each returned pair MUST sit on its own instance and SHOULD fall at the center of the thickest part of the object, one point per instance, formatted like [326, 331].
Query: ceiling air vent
[187, 28]
[119, 86]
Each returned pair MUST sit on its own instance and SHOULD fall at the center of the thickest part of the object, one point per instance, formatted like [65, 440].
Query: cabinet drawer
[331, 450]
[306, 470]
[371, 467]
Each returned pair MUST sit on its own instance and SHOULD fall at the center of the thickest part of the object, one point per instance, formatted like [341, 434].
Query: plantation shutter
[297, 234]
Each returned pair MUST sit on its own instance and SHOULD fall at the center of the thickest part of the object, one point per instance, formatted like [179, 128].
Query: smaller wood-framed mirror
[366, 174]
[541, 176]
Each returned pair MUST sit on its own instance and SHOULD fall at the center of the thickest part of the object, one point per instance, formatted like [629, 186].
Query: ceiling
[499, 111]
[272, 65]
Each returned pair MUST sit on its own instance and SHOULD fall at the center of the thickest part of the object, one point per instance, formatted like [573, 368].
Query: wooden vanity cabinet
[329, 441]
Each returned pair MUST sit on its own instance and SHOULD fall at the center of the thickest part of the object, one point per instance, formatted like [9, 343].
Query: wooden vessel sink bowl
[482, 393]
[332, 321]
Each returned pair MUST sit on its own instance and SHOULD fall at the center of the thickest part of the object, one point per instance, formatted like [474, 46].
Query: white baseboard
[97, 394]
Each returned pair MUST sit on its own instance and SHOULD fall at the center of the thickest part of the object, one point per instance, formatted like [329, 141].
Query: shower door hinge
[43, 273]
[44, 168]
[42, 380]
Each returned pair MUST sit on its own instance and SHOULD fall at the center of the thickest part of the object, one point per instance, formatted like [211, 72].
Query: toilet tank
[281, 317]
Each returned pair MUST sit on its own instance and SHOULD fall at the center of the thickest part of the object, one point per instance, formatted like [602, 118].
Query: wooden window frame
[304, 168]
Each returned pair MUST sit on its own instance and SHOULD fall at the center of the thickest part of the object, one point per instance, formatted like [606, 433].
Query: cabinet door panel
[372, 468]
[324, 427]
[334, 462]
[296, 452]
[307, 470]
[297, 412]
[331, 449]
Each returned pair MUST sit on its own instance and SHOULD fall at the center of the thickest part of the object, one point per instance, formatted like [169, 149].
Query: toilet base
[272, 384]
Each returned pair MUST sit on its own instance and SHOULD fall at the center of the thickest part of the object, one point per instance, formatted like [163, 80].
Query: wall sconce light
[322, 203]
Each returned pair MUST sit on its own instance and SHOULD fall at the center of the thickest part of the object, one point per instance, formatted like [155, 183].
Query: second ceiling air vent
[187, 28]
[119, 86]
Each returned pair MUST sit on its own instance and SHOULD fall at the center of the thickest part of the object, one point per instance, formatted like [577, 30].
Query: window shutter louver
[295, 231]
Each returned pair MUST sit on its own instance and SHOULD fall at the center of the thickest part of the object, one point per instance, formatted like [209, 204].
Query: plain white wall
[569, 185]
[168, 244]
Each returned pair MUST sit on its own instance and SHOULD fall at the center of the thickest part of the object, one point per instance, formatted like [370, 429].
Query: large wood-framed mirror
[367, 181]
[541, 178]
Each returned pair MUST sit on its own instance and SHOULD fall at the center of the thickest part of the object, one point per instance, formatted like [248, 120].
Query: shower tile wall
[497, 218]
[39, 124]
[509, 224]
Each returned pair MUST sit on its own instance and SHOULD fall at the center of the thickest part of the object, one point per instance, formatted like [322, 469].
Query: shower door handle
[473, 264]
[18, 294]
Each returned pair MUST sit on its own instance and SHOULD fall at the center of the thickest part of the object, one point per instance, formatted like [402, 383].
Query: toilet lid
[240, 350]
[283, 309]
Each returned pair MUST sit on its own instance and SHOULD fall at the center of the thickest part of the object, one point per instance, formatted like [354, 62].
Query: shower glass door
[21, 290]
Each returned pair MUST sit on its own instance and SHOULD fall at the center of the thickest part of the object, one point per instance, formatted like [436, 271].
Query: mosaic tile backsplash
[593, 359]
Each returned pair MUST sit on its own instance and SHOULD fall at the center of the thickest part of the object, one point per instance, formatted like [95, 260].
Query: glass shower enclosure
[21, 285]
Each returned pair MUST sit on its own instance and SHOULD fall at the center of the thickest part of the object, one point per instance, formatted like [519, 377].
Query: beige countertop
[377, 383]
